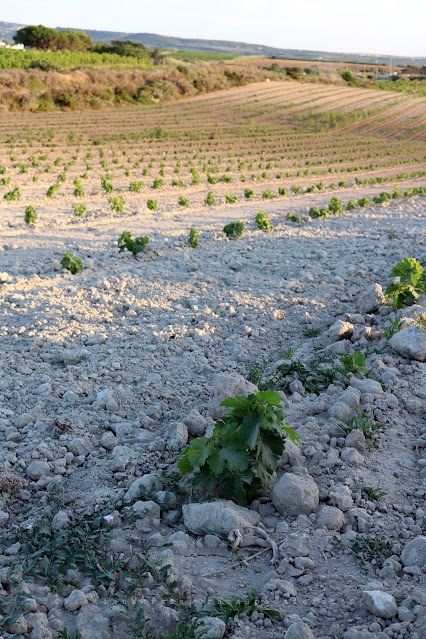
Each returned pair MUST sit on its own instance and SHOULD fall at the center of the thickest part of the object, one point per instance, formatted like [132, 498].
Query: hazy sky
[366, 26]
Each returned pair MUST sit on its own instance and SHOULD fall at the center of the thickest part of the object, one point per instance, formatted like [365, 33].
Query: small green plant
[373, 550]
[243, 452]
[209, 200]
[411, 282]
[351, 205]
[335, 206]
[135, 187]
[312, 332]
[70, 263]
[315, 213]
[134, 245]
[152, 205]
[232, 609]
[373, 493]
[78, 191]
[393, 327]
[5, 181]
[183, 201]
[116, 204]
[263, 222]
[52, 190]
[193, 238]
[195, 177]
[296, 190]
[64, 634]
[364, 201]
[362, 420]
[248, 193]
[230, 199]
[79, 210]
[282, 191]
[392, 234]
[353, 364]
[30, 215]
[106, 185]
[234, 229]
[268, 195]
[158, 183]
[13, 195]
[293, 217]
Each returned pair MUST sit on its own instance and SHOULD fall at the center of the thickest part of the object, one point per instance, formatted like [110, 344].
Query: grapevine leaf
[250, 429]
[269, 397]
[198, 451]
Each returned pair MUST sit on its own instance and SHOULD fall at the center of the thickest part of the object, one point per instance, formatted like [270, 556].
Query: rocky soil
[107, 374]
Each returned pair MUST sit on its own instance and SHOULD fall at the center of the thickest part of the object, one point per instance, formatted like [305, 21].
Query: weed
[70, 263]
[183, 201]
[30, 215]
[116, 204]
[353, 364]
[313, 380]
[243, 452]
[134, 245]
[362, 420]
[64, 634]
[79, 210]
[373, 550]
[152, 205]
[234, 229]
[393, 327]
[312, 332]
[227, 610]
[373, 492]
[410, 285]
[263, 222]
[393, 235]
[209, 200]
[13, 195]
[193, 238]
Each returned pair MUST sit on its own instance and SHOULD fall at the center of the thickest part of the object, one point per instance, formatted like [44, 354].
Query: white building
[5, 45]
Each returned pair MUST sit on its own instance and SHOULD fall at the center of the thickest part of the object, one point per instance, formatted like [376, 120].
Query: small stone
[330, 517]
[341, 496]
[356, 439]
[295, 495]
[143, 486]
[108, 440]
[178, 436]
[75, 356]
[370, 299]
[210, 628]
[299, 630]
[379, 603]
[37, 469]
[4, 518]
[410, 342]
[195, 423]
[414, 553]
[60, 520]
[338, 331]
[352, 456]
[218, 517]
[75, 600]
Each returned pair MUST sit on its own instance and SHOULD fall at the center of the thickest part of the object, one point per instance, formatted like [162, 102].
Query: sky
[358, 26]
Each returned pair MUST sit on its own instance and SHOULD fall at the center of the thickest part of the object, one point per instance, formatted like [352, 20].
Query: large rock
[218, 517]
[299, 630]
[210, 628]
[367, 385]
[370, 299]
[226, 385]
[410, 342]
[338, 331]
[144, 485]
[379, 603]
[414, 553]
[295, 495]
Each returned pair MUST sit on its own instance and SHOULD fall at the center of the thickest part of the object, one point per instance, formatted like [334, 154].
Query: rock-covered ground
[107, 374]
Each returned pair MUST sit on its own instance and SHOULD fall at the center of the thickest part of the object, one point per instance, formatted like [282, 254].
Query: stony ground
[106, 374]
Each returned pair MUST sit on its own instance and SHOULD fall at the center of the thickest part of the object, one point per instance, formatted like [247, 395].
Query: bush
[248, 193]
[234, 229]
[116, 204]
[193, 238]
[135, 246]
[106, 185]
[296, 190]
[316, 213]
[183, 201]
[364, 201]
[78, 191]
[282, 191]
[135, 187]
[210, 201]
[79, 210]
[13, 195]
[152, 205]
[263, 222]
[230, 199]
[347, 76]
[243, 453]
[293, 217]
[158, 183]
[72, 264]
[411, 282]
[30, 215]
[268, 195]
[335, 205]
[351, 205]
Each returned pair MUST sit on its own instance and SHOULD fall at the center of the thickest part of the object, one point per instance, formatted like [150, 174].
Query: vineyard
[212, 336]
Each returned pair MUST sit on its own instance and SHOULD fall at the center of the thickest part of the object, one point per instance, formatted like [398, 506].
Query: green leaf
[269, 397]
[230, 486]
[234, 456]
[198, 451]
[249, 430]
[269, 450]
[359, 358]
[184, 465]
[230, 402]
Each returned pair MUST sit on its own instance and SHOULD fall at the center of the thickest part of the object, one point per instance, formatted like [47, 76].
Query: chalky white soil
[125, 349]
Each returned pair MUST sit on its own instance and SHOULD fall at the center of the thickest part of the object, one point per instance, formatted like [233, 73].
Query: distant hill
[155, 41]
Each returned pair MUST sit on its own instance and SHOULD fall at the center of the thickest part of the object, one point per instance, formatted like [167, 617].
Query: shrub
[13, 195]
[183, 201]
[282, 191]
[158, 183]
[152, 205]
[248, 193]
[209, 200]
[135, 187]
[351, 205]
[268, 195]
[134, 245]
[234, 229]
[243, 452]
[106, 185]
[78, 191]
[30, 215]
[193, 238]
[79, 210]
[364, 201]
[342, 183]
[263, 222]
[411, 282]
[179, 183]
[116, 204]
[347, 76]
[5, 181]
[296, 190]
[72, 264]
[335, 205]
[195, 177]
[316, 213]
[230, 199]
[293, 217]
